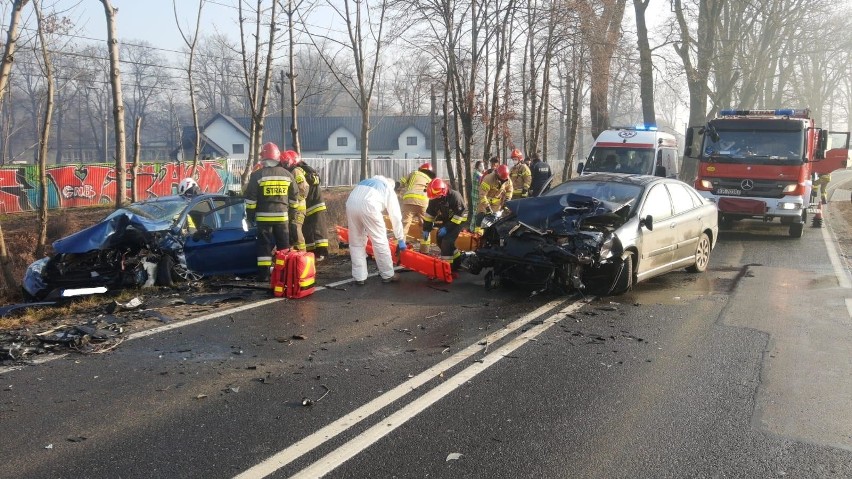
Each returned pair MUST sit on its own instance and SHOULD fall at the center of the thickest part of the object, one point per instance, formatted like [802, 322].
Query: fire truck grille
[748, 188]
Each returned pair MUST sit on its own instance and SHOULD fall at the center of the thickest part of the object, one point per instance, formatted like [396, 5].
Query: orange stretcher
[429, 266]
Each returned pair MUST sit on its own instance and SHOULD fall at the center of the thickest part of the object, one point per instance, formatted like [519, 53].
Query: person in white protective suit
[364, 214]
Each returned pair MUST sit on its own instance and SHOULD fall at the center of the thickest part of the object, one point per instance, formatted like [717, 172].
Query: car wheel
[702, 255]
[165, 271]
[623, 282]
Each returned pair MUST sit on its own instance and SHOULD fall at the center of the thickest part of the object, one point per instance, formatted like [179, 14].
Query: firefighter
[414, 198]
[521, 176]
[364, 215]
[494, 191]
[315, 227]
[822, 183]
[447, 205]
[269, 193]
[290, 161]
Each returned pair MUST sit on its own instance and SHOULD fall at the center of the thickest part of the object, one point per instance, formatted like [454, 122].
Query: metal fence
[347, 171]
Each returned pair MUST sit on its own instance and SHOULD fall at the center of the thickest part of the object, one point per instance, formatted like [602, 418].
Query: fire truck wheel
[702, 255]
[796, 230]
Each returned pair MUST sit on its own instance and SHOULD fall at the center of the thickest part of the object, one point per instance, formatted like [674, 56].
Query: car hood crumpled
[109, 233]
[566, 214]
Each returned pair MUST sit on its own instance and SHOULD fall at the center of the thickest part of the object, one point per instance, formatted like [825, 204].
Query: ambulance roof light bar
[635, 128]
[788, 112]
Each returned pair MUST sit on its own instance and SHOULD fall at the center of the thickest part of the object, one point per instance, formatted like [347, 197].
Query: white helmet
[186, 185]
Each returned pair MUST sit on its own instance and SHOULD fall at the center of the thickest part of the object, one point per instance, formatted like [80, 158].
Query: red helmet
[437, 189]
[289, 158]
[270, 152]
[503, 172]
[517, 155]
[425, 166]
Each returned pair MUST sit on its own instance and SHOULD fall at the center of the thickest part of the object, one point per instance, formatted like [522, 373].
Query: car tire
[624, 278]
[165, 271]
[702, 255]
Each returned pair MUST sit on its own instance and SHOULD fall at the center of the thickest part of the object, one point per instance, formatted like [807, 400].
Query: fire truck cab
[633, 150]
[757, 164]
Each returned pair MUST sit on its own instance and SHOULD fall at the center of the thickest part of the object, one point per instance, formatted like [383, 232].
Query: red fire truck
[759, 164]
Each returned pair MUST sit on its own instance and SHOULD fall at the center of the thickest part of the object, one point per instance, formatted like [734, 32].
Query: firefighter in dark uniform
[447, 205]
[269, 193]
[315, 229]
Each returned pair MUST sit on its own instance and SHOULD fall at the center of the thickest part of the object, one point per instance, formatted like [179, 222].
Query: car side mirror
[660, 171]
[204, 233]
[580, 168]
[647, 222]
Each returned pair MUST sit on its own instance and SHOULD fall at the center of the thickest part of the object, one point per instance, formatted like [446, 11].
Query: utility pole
[434, 121]
[283, 129]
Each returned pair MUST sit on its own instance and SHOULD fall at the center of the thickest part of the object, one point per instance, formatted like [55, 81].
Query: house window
[342, 141]
[411, 140]
[238, 148]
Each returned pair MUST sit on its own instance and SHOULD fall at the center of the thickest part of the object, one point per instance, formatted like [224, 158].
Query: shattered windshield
[166, 210]
[756, 143]
[620, 160]
[608, 191]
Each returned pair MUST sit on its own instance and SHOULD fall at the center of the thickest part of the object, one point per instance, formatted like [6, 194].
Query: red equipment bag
[293, 274]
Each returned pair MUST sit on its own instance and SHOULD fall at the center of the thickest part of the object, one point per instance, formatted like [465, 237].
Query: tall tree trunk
[137, 151]
[646, 66]
[601, 33]
[5, 69]
[117, 105]
[44, 138]
[291, 75]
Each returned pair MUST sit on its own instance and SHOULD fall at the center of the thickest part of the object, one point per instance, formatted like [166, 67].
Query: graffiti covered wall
[72, 186]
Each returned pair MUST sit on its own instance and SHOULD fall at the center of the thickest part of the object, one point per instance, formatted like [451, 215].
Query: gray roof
[314, 131]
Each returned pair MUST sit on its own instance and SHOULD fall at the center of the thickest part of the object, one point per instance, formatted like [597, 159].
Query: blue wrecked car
[152, 242]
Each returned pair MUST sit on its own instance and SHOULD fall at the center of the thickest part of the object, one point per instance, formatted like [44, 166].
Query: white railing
[347, 171]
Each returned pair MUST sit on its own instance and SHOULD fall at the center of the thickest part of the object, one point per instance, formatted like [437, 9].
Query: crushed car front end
[564, 243]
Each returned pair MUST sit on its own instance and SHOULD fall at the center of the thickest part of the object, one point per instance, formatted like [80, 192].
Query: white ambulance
[633, 150]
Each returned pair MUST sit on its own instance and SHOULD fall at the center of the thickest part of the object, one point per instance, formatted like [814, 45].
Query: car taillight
[704, 185]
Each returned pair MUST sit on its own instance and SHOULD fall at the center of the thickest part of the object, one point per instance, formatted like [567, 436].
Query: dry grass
[21, 234]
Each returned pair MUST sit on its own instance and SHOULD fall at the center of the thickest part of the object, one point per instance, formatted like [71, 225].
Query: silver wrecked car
[600, 234]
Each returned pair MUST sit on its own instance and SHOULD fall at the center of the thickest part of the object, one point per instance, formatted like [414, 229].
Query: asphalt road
[744, 371]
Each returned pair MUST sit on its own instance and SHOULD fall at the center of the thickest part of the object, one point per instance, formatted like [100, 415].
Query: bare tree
[364, 28]
[191, 40]
[219, 90]
[646, 65]
[256, 83]
[148, 79]
[696, 52]
[44, 137]
[601, 32]
[117, 105]
[5, 69]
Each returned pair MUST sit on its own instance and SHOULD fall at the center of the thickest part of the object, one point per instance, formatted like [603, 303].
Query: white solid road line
[386, 426]
[328, 432]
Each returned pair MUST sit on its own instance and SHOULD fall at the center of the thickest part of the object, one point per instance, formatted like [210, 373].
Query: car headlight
[606, 249]
[789, 206]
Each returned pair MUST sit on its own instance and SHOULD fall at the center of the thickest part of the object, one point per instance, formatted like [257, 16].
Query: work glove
[401, 246]
[442, 232]
[525, 192]
[425, 235]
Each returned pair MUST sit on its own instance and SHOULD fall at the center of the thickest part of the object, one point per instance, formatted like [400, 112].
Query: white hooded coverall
[364, 208]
